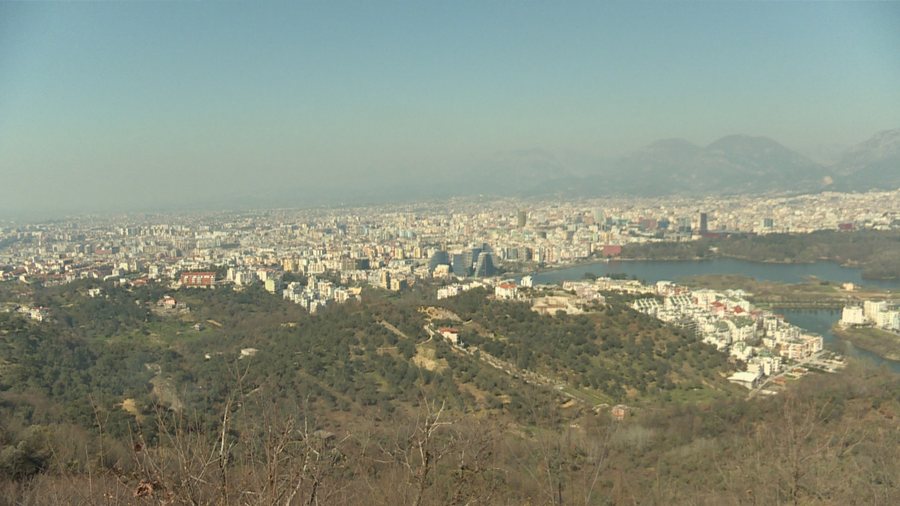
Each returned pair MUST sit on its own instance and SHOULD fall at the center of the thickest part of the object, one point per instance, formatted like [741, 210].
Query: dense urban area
[393, 246]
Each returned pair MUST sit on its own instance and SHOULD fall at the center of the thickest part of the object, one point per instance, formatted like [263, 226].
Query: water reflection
[653, 271]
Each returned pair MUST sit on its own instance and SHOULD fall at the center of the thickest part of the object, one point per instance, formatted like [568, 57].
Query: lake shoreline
[824, 323]
[651, 271]
[847, 264]
[886, 345]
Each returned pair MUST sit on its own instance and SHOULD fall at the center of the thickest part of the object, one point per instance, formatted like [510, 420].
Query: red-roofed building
[611, 251]
[506, 291]
[450, 333]
[198, 279]
[619, 412]
[167, 302]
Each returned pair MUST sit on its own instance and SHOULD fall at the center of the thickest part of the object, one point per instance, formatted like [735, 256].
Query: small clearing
[130, 406]
[425, 359]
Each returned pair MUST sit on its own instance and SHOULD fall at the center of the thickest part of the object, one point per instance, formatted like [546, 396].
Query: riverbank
[825, 273]
[873, 253]
[812, 294]
[881, 342]
[848, 264]
[548, 269]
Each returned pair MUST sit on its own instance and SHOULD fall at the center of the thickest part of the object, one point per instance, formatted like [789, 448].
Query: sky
[144, 105]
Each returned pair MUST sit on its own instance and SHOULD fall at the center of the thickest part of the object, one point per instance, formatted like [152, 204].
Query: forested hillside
[114, 400]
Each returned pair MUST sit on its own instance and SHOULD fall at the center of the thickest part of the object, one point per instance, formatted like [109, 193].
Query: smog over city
[436, 253]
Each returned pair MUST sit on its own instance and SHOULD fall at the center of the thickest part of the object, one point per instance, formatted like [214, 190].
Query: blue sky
[104, 98]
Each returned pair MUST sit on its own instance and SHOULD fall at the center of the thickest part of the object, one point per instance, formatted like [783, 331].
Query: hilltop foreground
[241, 398]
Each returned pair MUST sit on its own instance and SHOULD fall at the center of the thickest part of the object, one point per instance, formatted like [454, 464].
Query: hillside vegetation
[114, 401]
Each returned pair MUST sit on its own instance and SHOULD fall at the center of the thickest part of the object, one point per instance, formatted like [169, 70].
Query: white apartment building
[853, 315]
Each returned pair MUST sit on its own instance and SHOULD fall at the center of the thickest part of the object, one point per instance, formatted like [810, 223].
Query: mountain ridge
[734, 163]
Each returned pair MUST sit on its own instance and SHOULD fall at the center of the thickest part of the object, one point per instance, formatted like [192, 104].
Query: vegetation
[876, 253]
[116, 401]
[618, 352]
[881, 342]
[811, 294]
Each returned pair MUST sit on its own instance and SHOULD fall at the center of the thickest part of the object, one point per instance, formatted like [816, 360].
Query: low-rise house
[619, 412]
[449, 333]
[507, 291]
[746, 379]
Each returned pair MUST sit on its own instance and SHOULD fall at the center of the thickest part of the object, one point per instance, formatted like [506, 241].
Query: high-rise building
[521, 219]
[439, 257]
[460, 266]
[484, 267]
[704, 223]
[471, 256]
[273, 285]
[385, 280]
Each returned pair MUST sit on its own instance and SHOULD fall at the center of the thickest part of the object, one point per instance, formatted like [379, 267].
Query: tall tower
[439, 257]
[485, 265]
[704, 224]
[521, 219]
[459, 265]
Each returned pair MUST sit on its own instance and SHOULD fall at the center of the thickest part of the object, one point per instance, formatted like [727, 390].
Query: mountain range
[732, 164]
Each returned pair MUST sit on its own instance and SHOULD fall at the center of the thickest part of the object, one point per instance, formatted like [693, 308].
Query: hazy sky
[157, 103]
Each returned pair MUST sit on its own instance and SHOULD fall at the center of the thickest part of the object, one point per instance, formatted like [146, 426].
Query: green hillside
[118, 401]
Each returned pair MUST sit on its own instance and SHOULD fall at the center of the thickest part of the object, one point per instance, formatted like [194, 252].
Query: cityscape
[393, 246]
[337, 252]
[449, 254]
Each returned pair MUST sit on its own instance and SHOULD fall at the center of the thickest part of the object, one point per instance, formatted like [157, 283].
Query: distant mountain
[874, 163]
[882, 146]
[762, 157]
[732, 164]
[514, 172]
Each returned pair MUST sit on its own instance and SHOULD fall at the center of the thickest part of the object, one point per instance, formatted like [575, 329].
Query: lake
[652, 271]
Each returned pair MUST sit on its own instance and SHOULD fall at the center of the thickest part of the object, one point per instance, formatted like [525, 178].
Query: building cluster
[393, 247]
[573, 297]
[316, 293]
[727, 320]
[576, 297]
[878, 313]
[454, 289]
[763, 342]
